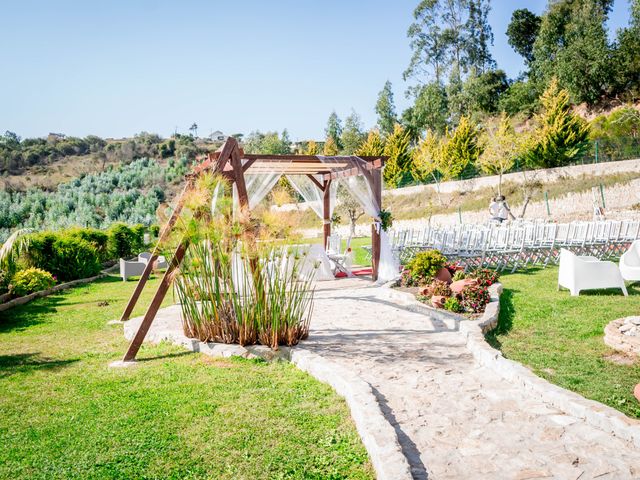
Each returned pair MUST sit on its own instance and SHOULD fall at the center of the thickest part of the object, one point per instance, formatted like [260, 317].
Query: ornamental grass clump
[234, 289]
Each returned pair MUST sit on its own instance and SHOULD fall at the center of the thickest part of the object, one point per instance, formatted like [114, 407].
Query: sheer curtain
[361, 191]
[312, 195]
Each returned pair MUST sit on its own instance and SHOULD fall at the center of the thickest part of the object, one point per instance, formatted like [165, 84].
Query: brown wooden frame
[229, 162]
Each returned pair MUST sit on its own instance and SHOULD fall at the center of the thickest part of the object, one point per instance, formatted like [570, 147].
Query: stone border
[377, 434]
[43, 293]
[62, 286]
[594, 413]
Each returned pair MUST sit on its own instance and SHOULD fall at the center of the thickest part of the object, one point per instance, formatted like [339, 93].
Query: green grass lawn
[561, 337]
[178, 415]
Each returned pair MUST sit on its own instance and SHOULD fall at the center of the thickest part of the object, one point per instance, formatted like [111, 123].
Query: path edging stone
[594, 413]
[377, 434]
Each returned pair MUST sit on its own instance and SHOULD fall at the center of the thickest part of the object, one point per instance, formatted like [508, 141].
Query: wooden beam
[310, 158]
[317, 183]
[164, 235]
[247, 164]
[326, 208]
[150, 314]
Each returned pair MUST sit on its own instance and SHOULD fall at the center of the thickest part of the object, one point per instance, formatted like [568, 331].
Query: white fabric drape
[312, 195]
[361, 191]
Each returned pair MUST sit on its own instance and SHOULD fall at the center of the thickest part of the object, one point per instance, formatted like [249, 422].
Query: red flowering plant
[453, 267]
[406, 279]
[485, 276]
[475, 298]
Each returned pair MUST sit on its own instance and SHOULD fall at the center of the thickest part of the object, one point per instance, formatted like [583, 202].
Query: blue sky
[119, 67]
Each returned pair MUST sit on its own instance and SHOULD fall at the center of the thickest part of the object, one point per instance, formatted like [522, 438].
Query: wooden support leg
[166, 231]
[326, 207]
[156, 302]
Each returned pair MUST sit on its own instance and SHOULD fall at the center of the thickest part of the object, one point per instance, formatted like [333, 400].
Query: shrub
[441, 288]
[95, 237]
[459, 275]
[31, 280]
[425, 265]
[154, 230]
[4, 281]
[475, 298]
[453, 305]
[125, 241]
[67, 257]
[485, 276]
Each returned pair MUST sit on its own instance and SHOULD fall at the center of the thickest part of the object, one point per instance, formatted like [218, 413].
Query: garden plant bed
[175, 415]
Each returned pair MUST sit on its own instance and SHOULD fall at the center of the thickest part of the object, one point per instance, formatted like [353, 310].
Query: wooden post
[376, 188]
[166, 231]
[326, 208]
[150, 314]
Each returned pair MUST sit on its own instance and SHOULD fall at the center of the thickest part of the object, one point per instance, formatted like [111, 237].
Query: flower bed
[443, 285]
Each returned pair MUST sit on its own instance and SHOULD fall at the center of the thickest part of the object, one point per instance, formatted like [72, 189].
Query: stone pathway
[455, 419]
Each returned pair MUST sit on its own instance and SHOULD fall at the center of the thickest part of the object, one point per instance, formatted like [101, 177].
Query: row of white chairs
[519, 244]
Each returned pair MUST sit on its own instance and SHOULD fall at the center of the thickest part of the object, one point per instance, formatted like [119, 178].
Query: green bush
[31, 280]
[154, 230]
[4, 281]
[453, 305]
[67, 257]
[125, 241]
[98, 238]
[425, 265]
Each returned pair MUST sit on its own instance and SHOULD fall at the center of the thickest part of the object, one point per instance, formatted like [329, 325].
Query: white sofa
[579, 273]
[630, 263]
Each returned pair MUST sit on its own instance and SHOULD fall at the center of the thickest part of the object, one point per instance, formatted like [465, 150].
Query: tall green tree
[627, 56]
[429, 111]
[559, 136]
[352, 135]
[334, 129]
[478, 38]
[386, 110]
[427, 42]
[522, 32]
[572, 45]
[461, 148]
[398, 168]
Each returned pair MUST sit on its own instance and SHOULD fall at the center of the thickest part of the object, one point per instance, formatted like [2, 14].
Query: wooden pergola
[232, 163]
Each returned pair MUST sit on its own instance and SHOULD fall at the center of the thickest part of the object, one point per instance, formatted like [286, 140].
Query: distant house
[218, 136]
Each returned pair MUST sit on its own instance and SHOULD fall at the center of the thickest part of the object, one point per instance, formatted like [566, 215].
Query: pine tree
[501, 148]
[372, 146]
[461, 148]
[560, 136]
[386, 110]
[312, 148]
[330, 148]
[398, 167]
[334, 129]
[352, 135]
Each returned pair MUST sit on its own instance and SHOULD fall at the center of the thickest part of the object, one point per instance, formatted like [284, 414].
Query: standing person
[494, 210]
[504, 212]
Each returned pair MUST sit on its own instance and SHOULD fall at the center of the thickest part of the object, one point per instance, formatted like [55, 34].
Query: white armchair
[160, 261]
[131, 269]
[630, 262]
[585, 273]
